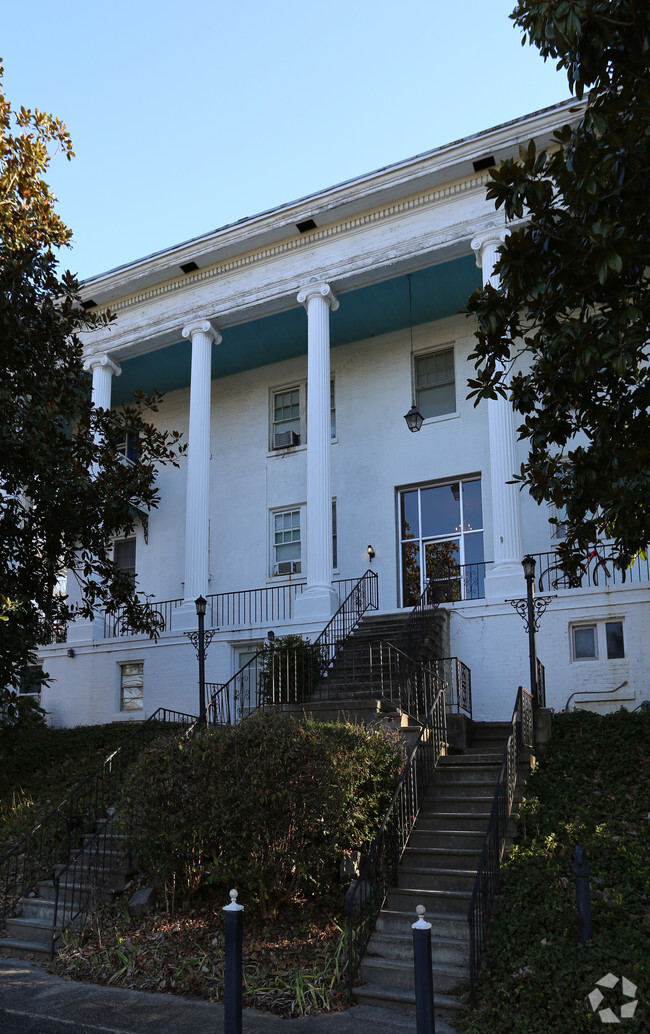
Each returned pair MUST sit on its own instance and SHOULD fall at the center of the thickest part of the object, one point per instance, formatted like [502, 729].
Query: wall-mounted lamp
[270, 635]
[371, 553]
[71, 652]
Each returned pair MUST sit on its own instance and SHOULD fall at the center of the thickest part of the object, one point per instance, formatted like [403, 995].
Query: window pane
[410, 524]
[615, 644]
[434, 383]
[474, 548]
[411, 589]
[286, 410]
[124, 556]
[436, 401]
[584, 643]
[131, 686]
[440, 510]
[472, 508]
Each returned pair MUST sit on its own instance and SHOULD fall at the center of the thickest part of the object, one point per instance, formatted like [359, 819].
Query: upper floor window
[124, 556]
[286, 542]
[286, 418]
[435, 386]
[128, 447]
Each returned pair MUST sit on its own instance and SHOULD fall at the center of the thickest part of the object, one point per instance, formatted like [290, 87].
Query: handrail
[33, 857]
[243, 693]
[379, 872]
[486, 884]
[459, 682]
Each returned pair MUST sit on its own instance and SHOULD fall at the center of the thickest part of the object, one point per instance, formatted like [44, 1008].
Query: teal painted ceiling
[437, 291]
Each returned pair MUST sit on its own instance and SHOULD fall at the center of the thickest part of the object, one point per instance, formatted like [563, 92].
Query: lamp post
[531, 610]
[528, 564]
[201, 640]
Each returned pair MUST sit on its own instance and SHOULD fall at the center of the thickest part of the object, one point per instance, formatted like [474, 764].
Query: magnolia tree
[63, 496]
[572, 312]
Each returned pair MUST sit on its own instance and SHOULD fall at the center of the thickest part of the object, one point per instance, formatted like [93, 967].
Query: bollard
[581, 871]
[425, 1020]
[233, 967]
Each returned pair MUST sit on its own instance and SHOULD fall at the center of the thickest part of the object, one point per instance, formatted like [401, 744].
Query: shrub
[266, 806]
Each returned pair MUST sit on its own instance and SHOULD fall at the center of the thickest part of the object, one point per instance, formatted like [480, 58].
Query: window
[286, 542]
[124, 557]
[129, 447]
[31, 681]
[558, 527]
[132, 686]
[600, 639]
[435, 388]
[585, 643]
[286, 420]
[441, 538]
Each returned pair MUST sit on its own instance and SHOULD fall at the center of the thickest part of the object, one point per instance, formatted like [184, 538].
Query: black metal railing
[379, 872]
[597, 569]
[455, 583]
[60, 832]
[239, 609]
[540, 698]
[417, 626]
[290, 675]
[79, 886]
[458, 679]
[486, 885]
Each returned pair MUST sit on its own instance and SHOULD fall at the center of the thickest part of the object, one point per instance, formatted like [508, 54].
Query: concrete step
[452, 771]
[443, 803]
[33, 930]
[396, 972]
[444, 950]
[452, 821]
[482, 789]
[41, 908]
[453, 839]
[20, 949]
[405, 899]
[437, 858]
[444, 880]
[452, 925]
[403, 1000]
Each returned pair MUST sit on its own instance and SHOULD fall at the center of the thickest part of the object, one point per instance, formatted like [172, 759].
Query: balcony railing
[597, 570]
[246, 608]
[460, 582]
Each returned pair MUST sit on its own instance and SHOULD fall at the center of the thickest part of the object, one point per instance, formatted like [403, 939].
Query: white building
[289, 347]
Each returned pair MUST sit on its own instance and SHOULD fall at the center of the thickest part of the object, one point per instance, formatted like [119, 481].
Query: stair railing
[290, 675]
[32, 859]
[486, 885]
[379, 872]
[418, 623]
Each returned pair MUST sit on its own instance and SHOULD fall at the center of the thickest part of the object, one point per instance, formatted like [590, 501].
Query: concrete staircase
[103, 872]
[437, 870]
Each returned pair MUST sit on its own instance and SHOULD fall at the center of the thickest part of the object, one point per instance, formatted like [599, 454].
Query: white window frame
[448, 346]
[121, 665]
[301, 388]
[583, 626]
[600, 638]
[300, 509]
[134, 540]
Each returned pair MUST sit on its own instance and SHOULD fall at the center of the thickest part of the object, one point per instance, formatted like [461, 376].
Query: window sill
[438, 419]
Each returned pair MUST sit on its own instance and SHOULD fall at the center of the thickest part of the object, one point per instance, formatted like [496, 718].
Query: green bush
[266, 806]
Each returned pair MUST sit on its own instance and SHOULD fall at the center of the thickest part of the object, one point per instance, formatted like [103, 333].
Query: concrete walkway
[28, 990]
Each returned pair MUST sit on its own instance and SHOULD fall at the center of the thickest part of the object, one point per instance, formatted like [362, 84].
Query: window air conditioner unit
[287, 567]
[285, 439]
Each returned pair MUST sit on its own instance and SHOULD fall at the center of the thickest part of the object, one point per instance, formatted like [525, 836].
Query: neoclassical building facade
[289, 347]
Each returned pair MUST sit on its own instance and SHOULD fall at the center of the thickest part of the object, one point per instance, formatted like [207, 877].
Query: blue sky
[185, 117]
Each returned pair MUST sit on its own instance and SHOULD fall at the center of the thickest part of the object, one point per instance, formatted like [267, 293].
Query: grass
[40, 766]
[593, 789]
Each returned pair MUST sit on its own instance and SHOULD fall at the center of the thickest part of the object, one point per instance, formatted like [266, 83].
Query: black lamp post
[200, 641]
[529, 564]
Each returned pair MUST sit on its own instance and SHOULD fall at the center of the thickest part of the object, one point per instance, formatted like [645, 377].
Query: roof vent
[305, 226]
[189, 267]
[484, 163]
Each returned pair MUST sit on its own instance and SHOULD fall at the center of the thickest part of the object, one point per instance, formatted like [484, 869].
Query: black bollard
[233, 967]
[425, 1019]
[581, 871]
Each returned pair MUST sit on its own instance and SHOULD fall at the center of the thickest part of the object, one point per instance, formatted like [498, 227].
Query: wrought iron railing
[33, 858]
[540, 699]
[597, 569]
[486, 885]
[379, 872]
[416, 628]
[458, 679]
[241, 609]
[79, 885]
[290, 675]
[457, 582]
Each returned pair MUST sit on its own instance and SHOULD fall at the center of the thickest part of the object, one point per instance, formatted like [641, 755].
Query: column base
[85, 631]
[184, 618]
[316, 603]
[505, 580]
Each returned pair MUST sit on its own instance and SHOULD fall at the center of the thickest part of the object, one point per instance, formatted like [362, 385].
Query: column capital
[103, 361]
[318, 290]
[493, 237]
[202, 327]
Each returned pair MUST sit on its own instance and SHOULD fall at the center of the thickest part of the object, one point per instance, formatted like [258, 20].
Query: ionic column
[505, 576]
[103, 370]
[201, 334]
[318, 601]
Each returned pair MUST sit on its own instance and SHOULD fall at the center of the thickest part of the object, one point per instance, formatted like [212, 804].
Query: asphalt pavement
[33, 1001]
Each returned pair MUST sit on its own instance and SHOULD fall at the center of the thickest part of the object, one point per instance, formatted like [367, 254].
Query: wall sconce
[71, 652]
[371, 553]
